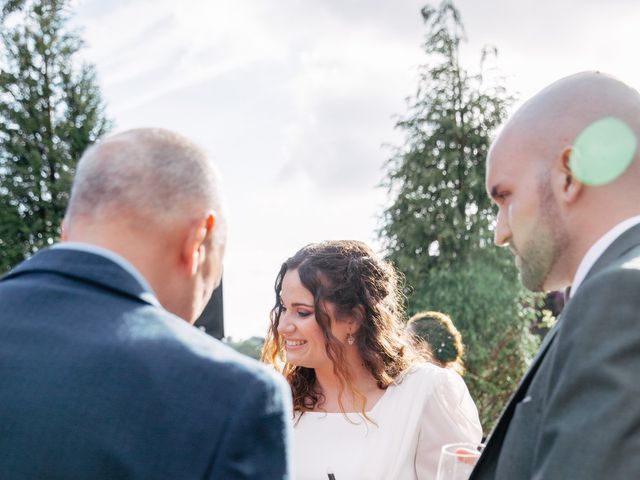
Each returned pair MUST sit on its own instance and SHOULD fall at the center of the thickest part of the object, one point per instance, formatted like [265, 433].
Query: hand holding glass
[457, 460]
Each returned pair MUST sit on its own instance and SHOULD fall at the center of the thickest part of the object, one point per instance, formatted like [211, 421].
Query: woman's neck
[362, 381]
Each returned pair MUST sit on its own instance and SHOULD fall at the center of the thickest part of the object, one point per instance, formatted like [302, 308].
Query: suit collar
[625, 242]
[599, 247]
[86, 267]
[108, 254]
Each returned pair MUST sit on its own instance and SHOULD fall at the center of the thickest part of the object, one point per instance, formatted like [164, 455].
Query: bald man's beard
[539, 256]
[535, 261]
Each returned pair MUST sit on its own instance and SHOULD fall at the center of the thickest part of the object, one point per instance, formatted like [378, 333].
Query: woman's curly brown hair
[348, 274]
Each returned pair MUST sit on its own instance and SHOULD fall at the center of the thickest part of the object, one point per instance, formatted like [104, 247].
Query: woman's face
[303, 338]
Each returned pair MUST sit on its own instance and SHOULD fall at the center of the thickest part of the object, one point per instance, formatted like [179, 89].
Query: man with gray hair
[103, 376]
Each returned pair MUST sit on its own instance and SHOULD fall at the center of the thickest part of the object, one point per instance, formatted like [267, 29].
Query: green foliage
[9, 6]
[50, 111]
[441, 210]
[438, 229]
[494, 314]
[251, 347]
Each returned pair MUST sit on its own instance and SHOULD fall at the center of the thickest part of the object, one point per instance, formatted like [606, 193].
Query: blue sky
[296, 99]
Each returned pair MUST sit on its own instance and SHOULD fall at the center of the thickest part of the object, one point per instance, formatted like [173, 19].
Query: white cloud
[542, 41]
[344, 100]
[164, 46]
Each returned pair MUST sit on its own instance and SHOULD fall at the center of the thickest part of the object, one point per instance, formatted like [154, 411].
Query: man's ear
[193, 249]
[567, 184]
[64, 235]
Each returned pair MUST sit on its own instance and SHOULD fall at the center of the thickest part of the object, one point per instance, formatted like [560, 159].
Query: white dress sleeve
[449, 416]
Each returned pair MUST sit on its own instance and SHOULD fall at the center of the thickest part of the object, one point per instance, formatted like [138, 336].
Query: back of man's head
[152, 196]
[147, 173]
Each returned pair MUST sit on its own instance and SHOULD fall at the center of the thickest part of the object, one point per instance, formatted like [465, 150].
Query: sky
[296, 101]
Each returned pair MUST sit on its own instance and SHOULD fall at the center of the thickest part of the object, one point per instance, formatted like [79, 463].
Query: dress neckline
[368, 412]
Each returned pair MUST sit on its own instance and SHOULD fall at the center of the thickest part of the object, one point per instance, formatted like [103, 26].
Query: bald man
[565, 175]
[103, 376]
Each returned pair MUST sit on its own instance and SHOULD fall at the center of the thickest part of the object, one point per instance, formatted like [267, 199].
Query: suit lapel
[494, 442]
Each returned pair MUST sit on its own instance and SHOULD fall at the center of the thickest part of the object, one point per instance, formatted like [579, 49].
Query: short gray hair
[146, 173]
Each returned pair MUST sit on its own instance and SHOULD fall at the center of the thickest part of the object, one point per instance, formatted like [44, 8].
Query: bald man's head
[553, 119]
[152, 196]
[563, 171]
[151, 176]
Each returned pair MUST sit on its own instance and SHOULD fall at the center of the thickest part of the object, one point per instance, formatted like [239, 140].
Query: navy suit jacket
[576, 413]
[97, 382]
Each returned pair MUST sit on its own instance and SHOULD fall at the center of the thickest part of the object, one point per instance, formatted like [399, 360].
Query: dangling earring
[351, 339]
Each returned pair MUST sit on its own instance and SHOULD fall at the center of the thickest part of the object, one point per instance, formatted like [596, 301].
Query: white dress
[428, 408]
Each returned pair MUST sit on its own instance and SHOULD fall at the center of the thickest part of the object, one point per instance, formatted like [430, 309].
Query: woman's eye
[303, 313]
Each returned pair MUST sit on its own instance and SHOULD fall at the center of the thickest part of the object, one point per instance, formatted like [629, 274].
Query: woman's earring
[351, 339]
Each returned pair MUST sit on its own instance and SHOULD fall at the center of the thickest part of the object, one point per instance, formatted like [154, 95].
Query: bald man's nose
[502, 234]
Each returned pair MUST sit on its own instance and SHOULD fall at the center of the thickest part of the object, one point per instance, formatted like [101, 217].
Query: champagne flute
[457, 460]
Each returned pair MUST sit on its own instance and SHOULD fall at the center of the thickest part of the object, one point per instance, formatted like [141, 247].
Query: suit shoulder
[628, 261]
[171, 339]
[605, 304]
[619, 278]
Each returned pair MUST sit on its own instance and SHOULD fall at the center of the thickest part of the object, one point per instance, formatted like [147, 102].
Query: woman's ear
[357, 317]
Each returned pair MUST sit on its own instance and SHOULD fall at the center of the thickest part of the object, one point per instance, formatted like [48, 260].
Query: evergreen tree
[438, 229]
[441, 210]
[9, 6]
[50, 111]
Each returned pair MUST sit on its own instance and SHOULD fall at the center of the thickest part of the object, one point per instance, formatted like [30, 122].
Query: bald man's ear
[194, 249]
[568, 186]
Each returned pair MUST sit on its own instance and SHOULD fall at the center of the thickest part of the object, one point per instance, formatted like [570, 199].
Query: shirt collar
[598, 248]
[115, 258]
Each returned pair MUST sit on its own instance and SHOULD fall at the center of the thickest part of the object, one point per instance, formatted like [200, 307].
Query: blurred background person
[438, 334]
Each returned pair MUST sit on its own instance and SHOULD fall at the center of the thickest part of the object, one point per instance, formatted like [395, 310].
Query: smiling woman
[302, 335]
[362, 394]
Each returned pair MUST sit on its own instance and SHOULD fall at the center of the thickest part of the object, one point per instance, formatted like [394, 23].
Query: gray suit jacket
[97, 382]
[576, 413]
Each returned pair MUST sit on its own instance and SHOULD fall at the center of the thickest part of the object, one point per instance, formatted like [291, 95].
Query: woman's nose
[284, 325]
